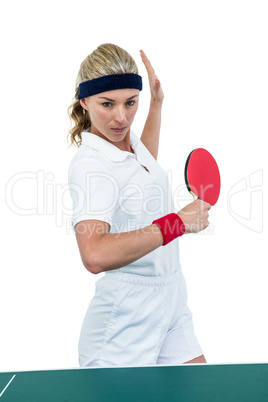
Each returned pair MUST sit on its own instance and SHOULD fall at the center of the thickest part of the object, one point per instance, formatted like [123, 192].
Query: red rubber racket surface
[202, 176]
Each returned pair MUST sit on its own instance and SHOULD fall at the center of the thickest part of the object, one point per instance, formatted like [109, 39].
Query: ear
[83, 104]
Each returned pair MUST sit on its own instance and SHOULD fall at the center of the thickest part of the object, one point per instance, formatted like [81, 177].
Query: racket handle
[195, 197]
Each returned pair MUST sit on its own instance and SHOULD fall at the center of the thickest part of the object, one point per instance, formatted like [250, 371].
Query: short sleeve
[94, 192]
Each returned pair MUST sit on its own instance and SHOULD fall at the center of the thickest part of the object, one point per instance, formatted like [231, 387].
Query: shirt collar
[109, 150]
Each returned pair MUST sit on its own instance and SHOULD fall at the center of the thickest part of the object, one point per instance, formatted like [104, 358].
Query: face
[112, 113]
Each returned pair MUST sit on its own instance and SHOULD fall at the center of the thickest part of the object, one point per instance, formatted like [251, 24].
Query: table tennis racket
[202, 176]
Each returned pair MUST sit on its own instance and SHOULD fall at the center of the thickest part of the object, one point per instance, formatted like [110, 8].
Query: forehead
[118, 94]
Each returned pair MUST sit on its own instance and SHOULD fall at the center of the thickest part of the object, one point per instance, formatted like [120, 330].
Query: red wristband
[171, 227]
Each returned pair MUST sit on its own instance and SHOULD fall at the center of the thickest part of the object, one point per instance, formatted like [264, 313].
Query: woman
[125, 223]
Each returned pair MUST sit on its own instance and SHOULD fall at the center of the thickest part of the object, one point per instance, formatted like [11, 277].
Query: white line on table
[7, 385]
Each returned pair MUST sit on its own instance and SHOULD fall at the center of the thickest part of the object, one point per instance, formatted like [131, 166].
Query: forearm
[151, 132]
[116, 250]
[103, 251]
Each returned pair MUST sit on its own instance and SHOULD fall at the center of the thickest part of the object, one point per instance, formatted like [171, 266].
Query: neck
[123, 145]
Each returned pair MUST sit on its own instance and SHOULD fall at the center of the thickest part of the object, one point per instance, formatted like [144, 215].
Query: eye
[106, 104]
[130, 103]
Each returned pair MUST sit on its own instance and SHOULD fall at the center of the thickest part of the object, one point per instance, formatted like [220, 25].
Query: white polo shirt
[126, 190]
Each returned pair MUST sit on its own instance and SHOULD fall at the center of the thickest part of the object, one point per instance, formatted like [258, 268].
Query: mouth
[119, 130]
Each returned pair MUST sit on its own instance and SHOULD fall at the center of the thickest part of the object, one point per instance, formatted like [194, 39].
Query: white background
[211, 58]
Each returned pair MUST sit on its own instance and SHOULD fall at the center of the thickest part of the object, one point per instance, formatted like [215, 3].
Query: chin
[119, 136]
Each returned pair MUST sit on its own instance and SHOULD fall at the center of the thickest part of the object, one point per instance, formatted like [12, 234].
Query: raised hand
[157, 94]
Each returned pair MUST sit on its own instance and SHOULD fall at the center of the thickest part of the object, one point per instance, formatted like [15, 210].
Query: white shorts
[136, 320]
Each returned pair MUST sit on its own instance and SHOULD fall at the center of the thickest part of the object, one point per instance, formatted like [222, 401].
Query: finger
[147, 64]
[144, 58]
[208, 206]
[204, 204]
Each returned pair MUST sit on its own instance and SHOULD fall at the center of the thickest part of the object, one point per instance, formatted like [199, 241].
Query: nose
[120, 115]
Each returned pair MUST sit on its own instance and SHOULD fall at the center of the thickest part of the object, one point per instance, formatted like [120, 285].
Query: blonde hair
[106, 59]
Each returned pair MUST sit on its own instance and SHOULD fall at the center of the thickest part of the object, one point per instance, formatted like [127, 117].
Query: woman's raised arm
[151, 132]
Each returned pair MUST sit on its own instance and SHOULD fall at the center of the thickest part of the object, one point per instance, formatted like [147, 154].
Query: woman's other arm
[151, 132]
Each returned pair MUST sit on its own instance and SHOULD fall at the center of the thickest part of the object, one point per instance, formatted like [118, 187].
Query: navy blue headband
[109, 83]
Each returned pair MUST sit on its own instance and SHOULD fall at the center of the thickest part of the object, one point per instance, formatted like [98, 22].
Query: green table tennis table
[195, 383]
